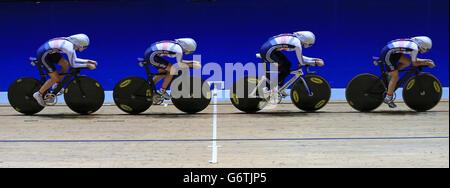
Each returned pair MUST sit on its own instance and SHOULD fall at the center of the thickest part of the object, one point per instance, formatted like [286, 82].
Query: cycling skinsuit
[49, 54]
[156, 51]
[392, 52]
[271, 52]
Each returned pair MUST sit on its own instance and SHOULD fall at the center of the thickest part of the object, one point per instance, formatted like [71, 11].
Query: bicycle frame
[298, 74]
[402, 80]
[73, 73]
[150, 75]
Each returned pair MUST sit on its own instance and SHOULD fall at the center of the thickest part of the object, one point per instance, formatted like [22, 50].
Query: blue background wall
[349, 32]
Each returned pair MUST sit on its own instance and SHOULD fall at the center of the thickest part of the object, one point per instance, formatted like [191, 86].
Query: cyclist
[172, 49]
[393, 55]
[50, 54]
[271, 52]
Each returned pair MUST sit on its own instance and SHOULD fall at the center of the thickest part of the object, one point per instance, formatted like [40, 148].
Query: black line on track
[222, 140]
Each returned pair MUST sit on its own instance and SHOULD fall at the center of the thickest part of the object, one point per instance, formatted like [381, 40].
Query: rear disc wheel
[246, 96]
[190, 94]
[20, 95]
[133, 95]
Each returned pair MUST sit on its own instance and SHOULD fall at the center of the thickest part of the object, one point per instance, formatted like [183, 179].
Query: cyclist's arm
[303, 60]
[187, 63]
[179, 57]
[423, 62]
[73, 60]
[78, 62]
[420, 62]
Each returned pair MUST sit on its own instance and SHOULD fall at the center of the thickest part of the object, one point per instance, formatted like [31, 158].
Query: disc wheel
[84, 95]
[190, 94]
[365, 92]
[422, 92]
[320, 93]
[133, 95]
[20, 95]
[245, 95]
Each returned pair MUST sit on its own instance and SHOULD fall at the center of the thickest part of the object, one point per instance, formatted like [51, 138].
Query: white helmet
[306, 37]
[79, 40]
[189, 45]
[423, 42]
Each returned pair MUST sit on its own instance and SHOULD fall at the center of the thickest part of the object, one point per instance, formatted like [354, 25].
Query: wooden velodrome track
[337, 136]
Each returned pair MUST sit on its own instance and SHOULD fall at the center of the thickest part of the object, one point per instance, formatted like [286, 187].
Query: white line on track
[214, 137]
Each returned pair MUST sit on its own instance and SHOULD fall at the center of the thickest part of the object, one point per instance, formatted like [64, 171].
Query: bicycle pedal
[50, 99]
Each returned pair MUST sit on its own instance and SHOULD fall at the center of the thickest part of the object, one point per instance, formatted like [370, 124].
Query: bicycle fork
[297, 74]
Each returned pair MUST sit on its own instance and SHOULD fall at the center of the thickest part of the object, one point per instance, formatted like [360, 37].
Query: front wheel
[20, 95]
[422, 92]
[365, 92]
[320, 93]
[84, 95]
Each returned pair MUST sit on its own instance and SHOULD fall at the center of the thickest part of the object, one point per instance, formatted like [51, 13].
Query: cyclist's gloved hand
[319, 62]
[431, 64]
[92, 62]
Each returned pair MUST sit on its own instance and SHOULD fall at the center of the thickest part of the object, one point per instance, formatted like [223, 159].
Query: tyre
[365, 92]
[422, 92]
[320, 89]
[242, 98]
[20, 95]
[133, 95]
[84, 95]
[190, 94]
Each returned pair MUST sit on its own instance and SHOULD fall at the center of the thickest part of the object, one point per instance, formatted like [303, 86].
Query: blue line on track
[221, 140]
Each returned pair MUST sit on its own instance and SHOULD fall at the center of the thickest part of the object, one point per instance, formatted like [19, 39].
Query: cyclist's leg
[166, 83]
[159, 64]
[163, 66]
[273, 62]
[48, 63]
[393, 68]
[64, 67]
[54, 78]
[168, 77]
[266, 53]
[393, 82]
[158, 78]
[403, 62]
[284, 66]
